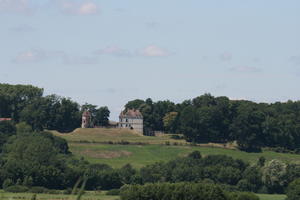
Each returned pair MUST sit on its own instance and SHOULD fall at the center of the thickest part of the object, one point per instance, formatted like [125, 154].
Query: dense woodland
[201, 120]
[220, 120]
[26, 103]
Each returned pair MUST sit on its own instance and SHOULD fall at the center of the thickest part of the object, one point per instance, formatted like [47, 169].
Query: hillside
[118, 147]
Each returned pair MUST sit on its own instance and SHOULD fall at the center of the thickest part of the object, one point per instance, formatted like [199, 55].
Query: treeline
[181, 191]
[26, 103]
[30, 159]
[218, 119]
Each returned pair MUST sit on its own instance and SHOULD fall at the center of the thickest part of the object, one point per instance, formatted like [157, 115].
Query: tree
[16, 97]
[7, 129]
[169, 121]
[293, 190]
[247, 127]
[102, 116]
[135, 104]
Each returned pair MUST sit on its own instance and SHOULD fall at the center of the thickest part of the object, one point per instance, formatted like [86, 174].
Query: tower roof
[131, 113]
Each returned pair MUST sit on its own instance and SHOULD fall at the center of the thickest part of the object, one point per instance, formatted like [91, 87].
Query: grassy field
[28, 196]
[100, 135]
[271, 197]
[90, 144]
[94, 196]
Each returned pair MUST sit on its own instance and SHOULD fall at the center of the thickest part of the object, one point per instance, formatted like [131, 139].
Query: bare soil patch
[104, 154]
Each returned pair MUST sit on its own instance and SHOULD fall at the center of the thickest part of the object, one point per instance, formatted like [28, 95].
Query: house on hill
[132, 119]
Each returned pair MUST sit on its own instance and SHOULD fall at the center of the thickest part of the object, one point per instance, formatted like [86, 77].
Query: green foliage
[38, 190]
[7, 183]
[16, 189]
[167, 191]
[261, 161]
[35, 159]
[217, 119]
[170, 120]
[274, 176]
[195, 155]
[13, 99]
[7, 129]
[53, 113]
[23, 128]
[293, 190]
[100, 116]
[33, 197]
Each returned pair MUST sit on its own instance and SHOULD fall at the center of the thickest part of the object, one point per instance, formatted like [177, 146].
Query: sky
[110, 52]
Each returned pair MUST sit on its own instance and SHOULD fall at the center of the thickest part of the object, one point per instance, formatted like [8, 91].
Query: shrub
[293, 190]
[177, 191]
[16, 189]
[7, 183]
[38, 189]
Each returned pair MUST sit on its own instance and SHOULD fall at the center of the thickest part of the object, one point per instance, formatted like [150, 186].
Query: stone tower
[86, 120]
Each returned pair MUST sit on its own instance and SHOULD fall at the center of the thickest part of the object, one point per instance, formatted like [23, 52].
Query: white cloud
[79, 8]
[16, 6]
[245, 69]
[153, 51]
[113, 50]
[34, 55]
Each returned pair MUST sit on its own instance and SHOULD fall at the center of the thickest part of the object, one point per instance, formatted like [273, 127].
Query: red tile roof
[131, 113]
[5, 119]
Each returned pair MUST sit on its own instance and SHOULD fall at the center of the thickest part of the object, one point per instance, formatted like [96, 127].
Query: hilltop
[118, 147]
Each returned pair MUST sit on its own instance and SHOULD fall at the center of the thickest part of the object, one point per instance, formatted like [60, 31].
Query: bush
[177, 191]
[113, 192]
[293, 190]
[38, 190]
[16, 189]
[7, 183]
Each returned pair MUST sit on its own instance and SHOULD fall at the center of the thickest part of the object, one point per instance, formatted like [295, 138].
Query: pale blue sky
[107, 52]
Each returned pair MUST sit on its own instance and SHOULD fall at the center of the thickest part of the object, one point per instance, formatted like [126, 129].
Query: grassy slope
[28, 196]
[156, 150]
[93, 196]
[271, 197]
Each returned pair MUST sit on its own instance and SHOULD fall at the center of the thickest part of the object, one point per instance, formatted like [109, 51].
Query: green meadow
[28, 196]
[95, 196]
[271, 197]
[92, 144]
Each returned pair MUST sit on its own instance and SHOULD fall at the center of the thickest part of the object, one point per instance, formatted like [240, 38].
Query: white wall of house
[134, 123]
